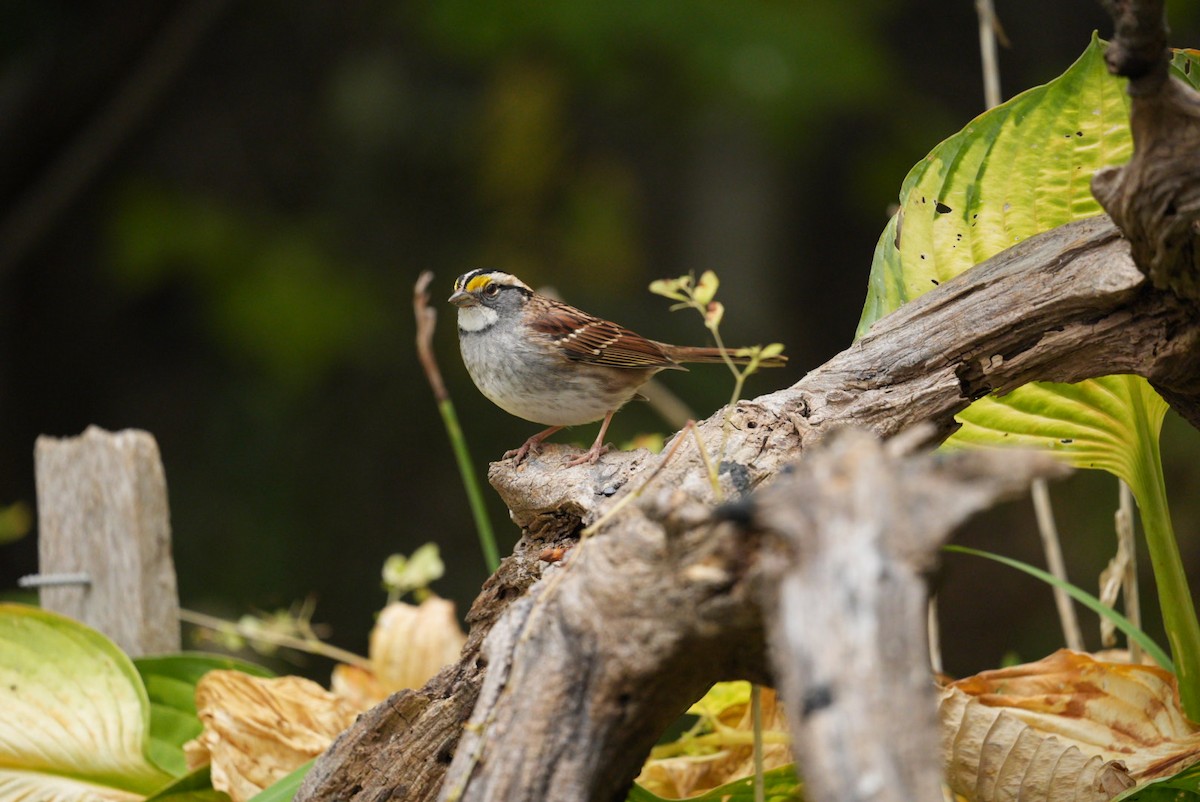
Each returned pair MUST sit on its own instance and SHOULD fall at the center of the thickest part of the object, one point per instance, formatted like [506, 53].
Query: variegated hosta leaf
[1102, 423]
[74, 715]
[1068, 728]
[258, 730]
[1017, 170]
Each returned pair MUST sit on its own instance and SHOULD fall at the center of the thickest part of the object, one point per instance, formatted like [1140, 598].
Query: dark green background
[228, 262]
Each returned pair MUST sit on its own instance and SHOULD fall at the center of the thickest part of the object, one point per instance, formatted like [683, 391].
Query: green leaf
[1018, 169]
[779, 785]
[771, 350]
[76, 716]
[1185, 65]
[1099, 424]
[170, 682]
[1083, 597]
[193, 787]
[405, 574]
[706, 288]
[285, 787]
[720, 697]
[673, 288]
[15, 520]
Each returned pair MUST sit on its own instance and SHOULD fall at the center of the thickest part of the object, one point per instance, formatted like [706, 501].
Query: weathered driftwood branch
[1155, 198]
[401, 748]
[585, 668]
[851, 533]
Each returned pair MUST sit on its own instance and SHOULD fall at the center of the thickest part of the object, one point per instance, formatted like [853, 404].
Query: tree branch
[1155, 198]
[588, 667]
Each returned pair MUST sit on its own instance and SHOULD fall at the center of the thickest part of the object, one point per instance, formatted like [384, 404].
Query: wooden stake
[102, 512]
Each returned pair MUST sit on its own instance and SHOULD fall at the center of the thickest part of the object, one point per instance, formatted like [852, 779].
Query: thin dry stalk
[1054, 561]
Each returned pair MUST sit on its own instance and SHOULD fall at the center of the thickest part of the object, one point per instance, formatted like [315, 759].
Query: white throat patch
[476, 318]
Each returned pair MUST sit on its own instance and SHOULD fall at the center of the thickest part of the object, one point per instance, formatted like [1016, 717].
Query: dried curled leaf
[1068, 727]
[357, 686]
[409, 644]
[258, 730]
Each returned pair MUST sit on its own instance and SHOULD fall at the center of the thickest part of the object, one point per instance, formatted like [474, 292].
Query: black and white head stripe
[482, 277]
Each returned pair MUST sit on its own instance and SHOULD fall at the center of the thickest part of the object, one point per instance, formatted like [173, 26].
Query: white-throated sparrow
[550, 363]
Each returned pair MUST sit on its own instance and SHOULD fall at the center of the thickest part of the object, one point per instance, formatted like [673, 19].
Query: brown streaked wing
[587, 338]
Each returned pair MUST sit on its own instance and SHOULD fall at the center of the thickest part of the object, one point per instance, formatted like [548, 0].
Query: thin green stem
[1083, 597]
[466, 469]
[426, 319]
[739, 383]
[1174, 596]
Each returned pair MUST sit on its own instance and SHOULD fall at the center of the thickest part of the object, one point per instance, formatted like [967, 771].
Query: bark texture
[850, 535]
[1155, 198]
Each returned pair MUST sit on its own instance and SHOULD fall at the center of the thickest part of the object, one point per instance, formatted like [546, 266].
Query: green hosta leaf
[779, 785]
[1185, 65]
[1102, 423]
[1018, 169]
[170, 682]
[75, 714]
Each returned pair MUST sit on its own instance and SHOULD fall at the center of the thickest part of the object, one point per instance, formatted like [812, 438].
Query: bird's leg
[532, 445]
[592, 454]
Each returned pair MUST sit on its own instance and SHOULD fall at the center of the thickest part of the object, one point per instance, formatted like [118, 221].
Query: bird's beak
[461, 299]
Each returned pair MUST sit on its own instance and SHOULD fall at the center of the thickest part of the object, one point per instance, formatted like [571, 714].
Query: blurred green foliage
[15, 520]
[784, 63]
[269, 289]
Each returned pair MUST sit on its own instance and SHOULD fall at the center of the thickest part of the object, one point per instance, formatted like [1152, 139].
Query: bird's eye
[491, 290]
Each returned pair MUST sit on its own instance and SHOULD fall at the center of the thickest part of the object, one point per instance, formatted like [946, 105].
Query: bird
[547, 362]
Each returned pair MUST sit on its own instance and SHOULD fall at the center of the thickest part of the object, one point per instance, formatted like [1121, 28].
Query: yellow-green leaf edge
[76, 715]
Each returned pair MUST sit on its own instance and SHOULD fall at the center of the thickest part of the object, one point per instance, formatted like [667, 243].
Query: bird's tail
[686, 353]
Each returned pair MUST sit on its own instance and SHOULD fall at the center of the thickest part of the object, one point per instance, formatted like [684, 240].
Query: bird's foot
[589, 457]
[531, 446]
